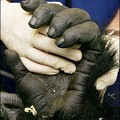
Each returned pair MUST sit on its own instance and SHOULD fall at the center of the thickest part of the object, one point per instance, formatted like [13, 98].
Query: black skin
[71, 26]
[31, 5]
[75, 94]
[63, 21]
[62, 96]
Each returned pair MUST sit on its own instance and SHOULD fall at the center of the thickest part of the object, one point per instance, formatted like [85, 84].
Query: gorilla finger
[31, 5]
[83, 34]
[15, 64]
[43, 30]
[44, 13]
[65, 19]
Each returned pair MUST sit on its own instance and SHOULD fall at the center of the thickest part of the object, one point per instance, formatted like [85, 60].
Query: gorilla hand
[42, 12]
[34, 89]
[62, 96]
[74, 26]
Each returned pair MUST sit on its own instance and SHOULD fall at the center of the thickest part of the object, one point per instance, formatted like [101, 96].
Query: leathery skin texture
[62, 96]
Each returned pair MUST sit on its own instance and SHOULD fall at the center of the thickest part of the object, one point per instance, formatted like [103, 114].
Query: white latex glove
[109, 78]
[34, 48]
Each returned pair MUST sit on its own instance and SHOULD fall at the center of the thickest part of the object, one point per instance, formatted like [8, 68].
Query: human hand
[112, 37]
[52, 97]
[30, 45]
[73, 26]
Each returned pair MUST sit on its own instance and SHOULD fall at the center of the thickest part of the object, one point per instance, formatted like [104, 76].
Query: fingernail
[33, 22]
[60, 42]
[51, 32]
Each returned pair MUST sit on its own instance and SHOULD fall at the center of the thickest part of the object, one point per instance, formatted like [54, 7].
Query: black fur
[83, 104]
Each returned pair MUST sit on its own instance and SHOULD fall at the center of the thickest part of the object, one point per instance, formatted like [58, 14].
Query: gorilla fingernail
[60, 42]
[33, 22]
[51, 32]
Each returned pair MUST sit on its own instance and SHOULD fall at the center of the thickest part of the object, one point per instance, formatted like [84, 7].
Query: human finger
[38, 68]
[65, 19]
[50, 60]
[106, 80]
[44, 13]
[43, 30]
[47, 44]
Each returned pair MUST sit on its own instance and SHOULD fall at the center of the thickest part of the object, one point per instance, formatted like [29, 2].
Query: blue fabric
[101, 11]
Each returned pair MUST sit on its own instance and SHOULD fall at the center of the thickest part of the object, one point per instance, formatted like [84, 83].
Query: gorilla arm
[62, 96]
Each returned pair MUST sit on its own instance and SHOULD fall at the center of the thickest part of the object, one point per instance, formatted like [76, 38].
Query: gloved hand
[72, 26]
[111, 36]
[34, 48]
[62, 96]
